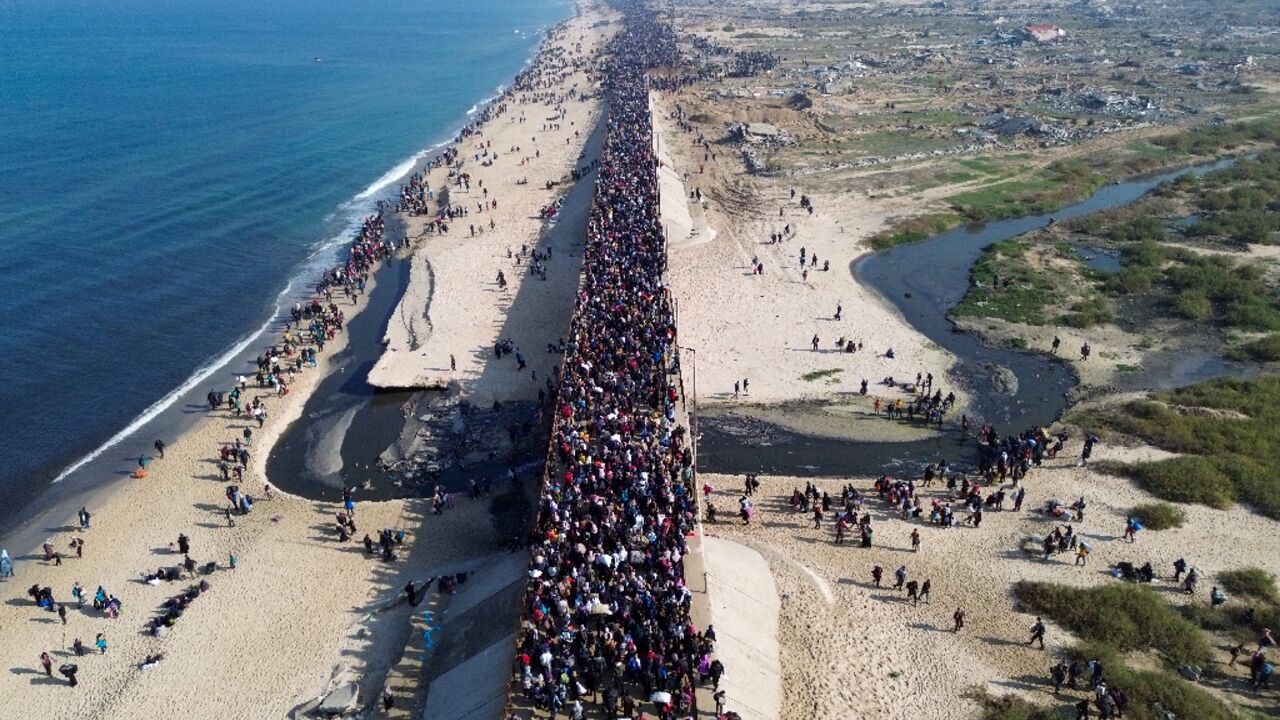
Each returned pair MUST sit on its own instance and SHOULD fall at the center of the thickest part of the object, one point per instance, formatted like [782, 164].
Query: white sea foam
[203, 373]
[323, 255]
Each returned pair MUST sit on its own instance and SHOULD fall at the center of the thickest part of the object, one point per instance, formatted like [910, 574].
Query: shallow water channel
[924, 281]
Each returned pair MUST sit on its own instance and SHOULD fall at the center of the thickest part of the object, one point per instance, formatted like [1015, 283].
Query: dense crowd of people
[606, 607]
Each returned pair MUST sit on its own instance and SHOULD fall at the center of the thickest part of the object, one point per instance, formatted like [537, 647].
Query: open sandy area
[847, 646]
[759, 327]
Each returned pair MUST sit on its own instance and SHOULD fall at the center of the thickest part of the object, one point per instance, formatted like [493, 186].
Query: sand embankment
[454, 307]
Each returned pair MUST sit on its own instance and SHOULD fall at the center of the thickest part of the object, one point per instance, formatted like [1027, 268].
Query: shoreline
[70, 485]
[67, 483]
[294, 605]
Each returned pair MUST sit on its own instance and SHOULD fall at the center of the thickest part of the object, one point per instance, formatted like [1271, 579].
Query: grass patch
[1159, 516]
[914, 229]
[1229, 433]
[1249, 581]
[1005, 286]
[1147, 688]
[1091, 310]
[820, 374]
[1122, 617]
[1057, 185]
[1263, 349]
[1195, 287]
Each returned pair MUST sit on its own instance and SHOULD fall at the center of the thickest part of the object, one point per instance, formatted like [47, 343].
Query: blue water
[169, 167]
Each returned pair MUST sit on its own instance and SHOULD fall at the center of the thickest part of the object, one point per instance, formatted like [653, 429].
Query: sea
[174, 173]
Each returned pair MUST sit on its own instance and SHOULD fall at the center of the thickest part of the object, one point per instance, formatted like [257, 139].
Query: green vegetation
[1057, 185]
[1197, 287]
[893, 142]
[1240, 205]
[1213, 139]
[1005, 285]
[914, 229]
[1249, 581]
[1092, 310]
[820, 374]
[1113, 620]
[1229, 434]
[1121, 616]
[1145, 688]
[1012, 707]
[1263, 349]
[1159, 516]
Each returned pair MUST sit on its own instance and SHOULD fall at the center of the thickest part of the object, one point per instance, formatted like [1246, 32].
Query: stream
[924, 281]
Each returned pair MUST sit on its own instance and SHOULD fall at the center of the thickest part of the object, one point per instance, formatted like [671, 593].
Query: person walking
[900, 577]
[958, 618]
[925, 588]
[411, 593]
[1059, 674]
[1037, 633]
[6, 564]
[915, 540]
[101, 642]
[1131, 529]
[159, 446]
[46, 662]
[84, 518]
[877, 573]
[62, 613]
[1082, 553]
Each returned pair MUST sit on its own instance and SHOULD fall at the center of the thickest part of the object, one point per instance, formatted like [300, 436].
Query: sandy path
[872, 653]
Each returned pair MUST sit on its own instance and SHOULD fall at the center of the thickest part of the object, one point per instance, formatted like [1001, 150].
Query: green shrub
[1264, 349]
[1125, 617]
[1012, 707]
[1159, 516]
[1249, 581]
[1190, 479]
[914, 229]
[1145, 688]
[1229, 432]
[1093, 310]
[1193, 305]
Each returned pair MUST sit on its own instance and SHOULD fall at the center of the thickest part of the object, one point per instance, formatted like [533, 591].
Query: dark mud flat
[1011, 389]
[346, 423]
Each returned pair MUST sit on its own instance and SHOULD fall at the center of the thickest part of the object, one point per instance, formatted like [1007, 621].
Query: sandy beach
[299, 612]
